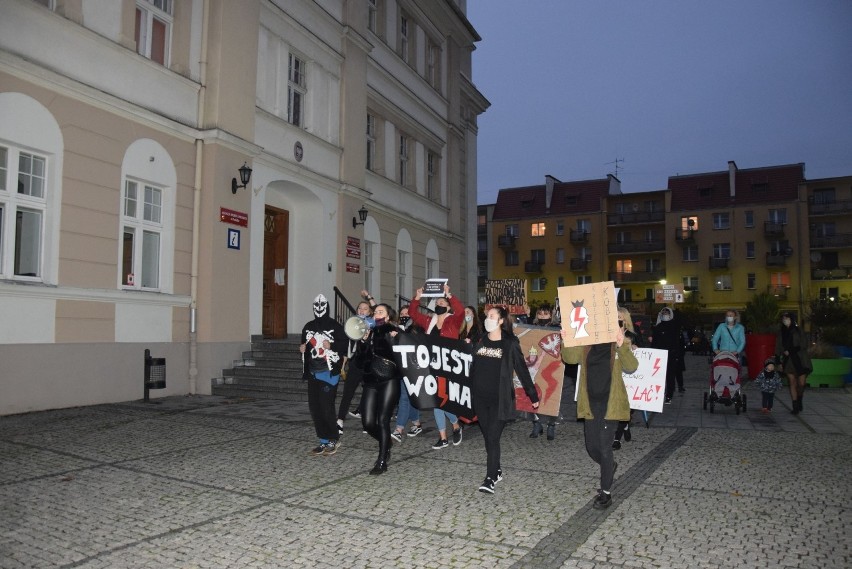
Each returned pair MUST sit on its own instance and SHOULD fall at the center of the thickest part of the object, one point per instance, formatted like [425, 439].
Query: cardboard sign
[646, 387]
[589, 313]
[541, 347]
[434, 288]
[511, 293]
[668, 293]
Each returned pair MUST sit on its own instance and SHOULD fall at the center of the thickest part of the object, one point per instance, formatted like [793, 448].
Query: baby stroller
[725, 388]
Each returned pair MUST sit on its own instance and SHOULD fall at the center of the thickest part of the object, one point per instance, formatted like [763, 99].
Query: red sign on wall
[353, 268]
[233, 217]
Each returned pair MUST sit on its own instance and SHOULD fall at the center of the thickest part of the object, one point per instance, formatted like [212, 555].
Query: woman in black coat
[667, 336]
[496, 356]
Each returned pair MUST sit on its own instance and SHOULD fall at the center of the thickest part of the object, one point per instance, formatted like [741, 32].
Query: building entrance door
[275, 272]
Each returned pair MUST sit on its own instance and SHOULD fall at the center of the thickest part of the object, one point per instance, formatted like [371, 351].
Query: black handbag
[383, 368]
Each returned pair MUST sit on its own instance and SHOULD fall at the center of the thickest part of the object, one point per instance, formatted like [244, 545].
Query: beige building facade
[122, 227]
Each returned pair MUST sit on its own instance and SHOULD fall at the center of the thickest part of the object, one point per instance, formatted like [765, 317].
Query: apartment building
[723, 235]
[182, 175]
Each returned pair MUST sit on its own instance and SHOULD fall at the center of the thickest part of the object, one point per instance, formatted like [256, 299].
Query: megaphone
[356, 327]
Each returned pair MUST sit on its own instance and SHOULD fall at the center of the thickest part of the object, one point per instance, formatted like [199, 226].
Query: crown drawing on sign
[577, 303]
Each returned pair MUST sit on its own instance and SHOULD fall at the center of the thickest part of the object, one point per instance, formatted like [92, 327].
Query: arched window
[432, 260]
[372, 256]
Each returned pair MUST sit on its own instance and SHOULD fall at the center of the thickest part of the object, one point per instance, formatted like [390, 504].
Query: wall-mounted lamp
[362, 214]
[245, 176]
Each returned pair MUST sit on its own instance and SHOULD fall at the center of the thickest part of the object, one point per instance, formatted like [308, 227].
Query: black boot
[627, 434]
[551, 431]
[381, 464]
[801, 398]
[536, 431]
[796, 409]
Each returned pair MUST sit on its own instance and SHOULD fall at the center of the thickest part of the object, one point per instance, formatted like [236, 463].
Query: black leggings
[377, 404]
[492, 431]
[353, 380]
[599, 434]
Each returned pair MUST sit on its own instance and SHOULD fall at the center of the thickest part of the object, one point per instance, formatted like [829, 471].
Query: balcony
[637, 276]
[638, 247]
[775, 260]
[778, 291]
[578, 264]
[506, 241]
[685, 236]
[718, 263]
[773, 228]
[636, 217]
[579, 236]
[831, 241]
[532, 267]
[838, 207]
[482, 255]
[837, 273]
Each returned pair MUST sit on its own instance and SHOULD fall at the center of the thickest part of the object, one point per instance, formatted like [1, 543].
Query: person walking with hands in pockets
[446, 323]
[496, 357]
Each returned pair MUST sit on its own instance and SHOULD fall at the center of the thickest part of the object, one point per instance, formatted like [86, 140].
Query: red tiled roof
[568, 198]
[772, 184]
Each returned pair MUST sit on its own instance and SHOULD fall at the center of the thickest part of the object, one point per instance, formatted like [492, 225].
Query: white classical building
[123, 126]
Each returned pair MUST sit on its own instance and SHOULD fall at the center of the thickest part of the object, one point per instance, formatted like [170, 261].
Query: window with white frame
[778, 216]
[512, 230]
[538, 284]
[560, 255]
[723, 282]
[142, 228]
[512, 258]
[403, 160]
[689, 222]
[433, 186]
[690, 283]
[586, 253]
[560, 228]
[690, 253]
[721, 250]
[371, 142]
[722, 220]
[623, 266]
[433, 59]
[372, 18]
[404, 39]
[829, 293]
[751, 281]
[653, 265]
[584, 279]
[749, 218]
[154, 29]
[296, 90]
[537, 229]
[23, 205]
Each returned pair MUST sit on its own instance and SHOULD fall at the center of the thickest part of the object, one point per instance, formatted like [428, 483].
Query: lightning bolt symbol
[578, 319]
[442, 391]
[656, 366]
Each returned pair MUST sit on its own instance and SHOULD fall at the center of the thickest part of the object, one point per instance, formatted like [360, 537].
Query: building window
[622, 237]
[512, 258]
[653, 265]
[560, 255]
[560, 281]
[584, 279]
[22, 212]
[433, 187]
[722, 220]
[401, 271]
[751, 281]
[705, 192]
[403, 160]
[779, 247]
[368, 266]
[537, 229]
[749, 249]
[723, 282]
[404, 37]
[512, 230]
[538, 284]
[296, 91]
[371, 142]
[623, 266]
[690, 253]
[372, 18]
[586, 253]
[824, 196]
[142, 220]
[537, 256]
[778, 216]
[584, 225]
[153, 29]
[721, 250]
[690, 283]
[433, 69]
[481, 220]
[689, 222]
[749, 218]
[560, 228]
[831, 293]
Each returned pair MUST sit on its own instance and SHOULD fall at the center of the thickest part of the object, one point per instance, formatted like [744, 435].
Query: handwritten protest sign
[541, 348]
[646, 387]
[589, 313]
[436, 372]
[511, 293]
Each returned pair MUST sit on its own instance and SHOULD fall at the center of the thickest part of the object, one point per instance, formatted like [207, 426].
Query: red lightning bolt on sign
[656, 366]
[577, 318]
[442, 391]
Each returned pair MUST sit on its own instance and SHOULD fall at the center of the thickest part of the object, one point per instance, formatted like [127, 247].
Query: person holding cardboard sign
[602, 399]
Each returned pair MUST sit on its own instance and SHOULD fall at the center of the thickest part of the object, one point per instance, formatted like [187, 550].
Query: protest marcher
[381, 382]
[355, 367]
[792, 349]
[471, 329]
[602, 398]
[543, 317]
[496, 357]
[323, 347]
[446, 322]
[729, 336]
[667, 336]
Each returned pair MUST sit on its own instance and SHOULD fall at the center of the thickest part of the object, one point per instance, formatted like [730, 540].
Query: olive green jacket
[621, 359]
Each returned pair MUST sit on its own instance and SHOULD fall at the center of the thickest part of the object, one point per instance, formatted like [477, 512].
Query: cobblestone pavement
[208, 482]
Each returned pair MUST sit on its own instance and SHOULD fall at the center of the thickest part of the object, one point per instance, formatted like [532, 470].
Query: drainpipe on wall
[196, 209]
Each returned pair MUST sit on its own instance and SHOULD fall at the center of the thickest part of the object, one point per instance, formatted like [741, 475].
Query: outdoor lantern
[245, 176]
[362, 215]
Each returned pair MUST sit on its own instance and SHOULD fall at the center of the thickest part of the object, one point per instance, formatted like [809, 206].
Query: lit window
[689, 222]
[153, 29]
[296, 91]
[537, 229]
[624, 266]
[723, 282]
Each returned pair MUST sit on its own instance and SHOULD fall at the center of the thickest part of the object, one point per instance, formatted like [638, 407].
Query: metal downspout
[196, 208]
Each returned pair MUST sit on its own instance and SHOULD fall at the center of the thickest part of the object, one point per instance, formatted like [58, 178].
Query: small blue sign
[233, 238]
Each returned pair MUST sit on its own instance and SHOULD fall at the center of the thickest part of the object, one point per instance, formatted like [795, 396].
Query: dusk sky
[668, 86]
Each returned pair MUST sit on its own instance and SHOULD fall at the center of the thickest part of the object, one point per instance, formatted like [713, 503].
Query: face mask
[380, 321]
[404, 320]
[730, 319]
[440, 310]
[320, 306]
[491, 325]
[666, 317]
[468, 318]
[786, 321]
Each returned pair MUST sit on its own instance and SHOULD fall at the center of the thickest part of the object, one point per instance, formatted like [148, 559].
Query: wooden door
[276, 274]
